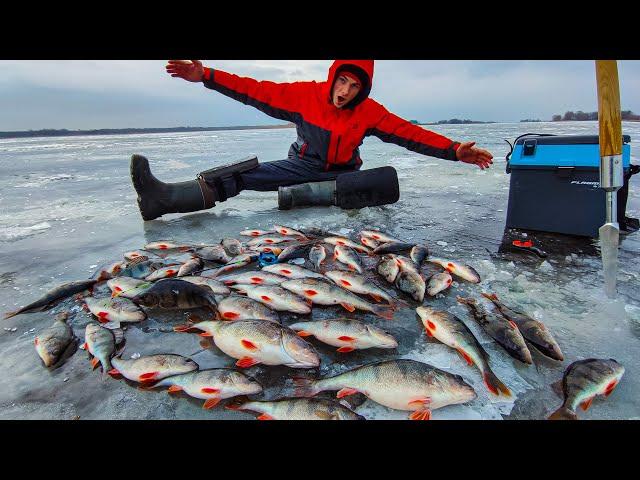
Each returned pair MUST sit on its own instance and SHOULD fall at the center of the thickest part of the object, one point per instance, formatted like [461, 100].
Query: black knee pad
[226, 179]
[367, 188]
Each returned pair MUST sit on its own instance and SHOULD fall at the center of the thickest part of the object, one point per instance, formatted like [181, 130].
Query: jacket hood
[365, 70]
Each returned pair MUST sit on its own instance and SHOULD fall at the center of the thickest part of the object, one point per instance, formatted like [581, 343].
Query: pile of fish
[247, 288]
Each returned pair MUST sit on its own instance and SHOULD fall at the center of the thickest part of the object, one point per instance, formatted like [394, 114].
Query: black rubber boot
[155, 198]
[366, 188]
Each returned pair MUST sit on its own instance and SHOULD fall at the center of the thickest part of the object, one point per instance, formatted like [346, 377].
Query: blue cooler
[555, 184]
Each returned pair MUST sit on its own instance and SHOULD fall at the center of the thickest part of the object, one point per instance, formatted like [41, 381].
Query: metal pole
[611, 174]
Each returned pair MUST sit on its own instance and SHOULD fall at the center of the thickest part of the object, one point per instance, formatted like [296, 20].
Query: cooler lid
[566, 139]
[582, 151]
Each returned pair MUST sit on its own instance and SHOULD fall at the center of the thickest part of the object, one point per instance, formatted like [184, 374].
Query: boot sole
[138, 165]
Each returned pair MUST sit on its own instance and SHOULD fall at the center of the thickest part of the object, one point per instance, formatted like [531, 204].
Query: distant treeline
[127, 131]
[454, 121]
[580, 115]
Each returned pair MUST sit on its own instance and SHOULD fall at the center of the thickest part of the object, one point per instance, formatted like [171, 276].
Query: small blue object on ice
[267, 258]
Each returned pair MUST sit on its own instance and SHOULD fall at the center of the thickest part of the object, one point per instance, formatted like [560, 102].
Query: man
[332, 118]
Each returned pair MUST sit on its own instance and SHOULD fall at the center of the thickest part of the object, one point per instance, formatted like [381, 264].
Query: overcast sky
[140, 94]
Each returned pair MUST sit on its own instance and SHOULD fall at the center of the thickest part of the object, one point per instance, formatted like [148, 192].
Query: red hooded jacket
[325, 132]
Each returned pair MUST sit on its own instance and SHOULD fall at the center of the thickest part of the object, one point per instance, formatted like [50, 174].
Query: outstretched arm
[391, 128]
[279, 100]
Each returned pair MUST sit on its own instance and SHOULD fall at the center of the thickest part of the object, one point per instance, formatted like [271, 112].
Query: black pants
[269, 176]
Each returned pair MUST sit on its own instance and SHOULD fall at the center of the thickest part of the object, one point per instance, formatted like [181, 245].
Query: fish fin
[114, 373]
[420, 402]
[249, 345]
[146, 386]
[11, 314]
[466, 357]
[346, 392]
[265, 416]
[345, 349]
[185, 328]
[204, 343]
[210, 390]
[586, 404]
[85, 346]
[420, 415]
[494, 385]
[348, 307]
[205, 334]
[304, 387]
[563, 413]
[174, 389]
[148, 377]
[118, 335]
[376, 297]
[384, 311]
[490, 296]
[610, 388]
[210, 403]
[246, 362]
[120, 348]
[428, 332]
[557, 388]
[94, 363]
[235, 405]
[323, 415]
[304, 333]
[346, 338]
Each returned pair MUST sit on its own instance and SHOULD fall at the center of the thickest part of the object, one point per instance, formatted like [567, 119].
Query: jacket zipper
[335, 158]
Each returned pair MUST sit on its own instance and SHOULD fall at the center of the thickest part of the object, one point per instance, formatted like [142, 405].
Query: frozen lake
[67, 206]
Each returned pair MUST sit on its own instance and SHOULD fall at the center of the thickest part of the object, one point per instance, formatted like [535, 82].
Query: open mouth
[341, 99]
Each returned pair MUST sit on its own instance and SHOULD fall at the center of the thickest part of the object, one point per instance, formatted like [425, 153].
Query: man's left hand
[467, 153]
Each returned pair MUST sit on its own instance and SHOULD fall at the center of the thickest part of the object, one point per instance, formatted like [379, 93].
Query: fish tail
[563, 413]
[491, 296]
[305, 387]
[494, 384]
[384, 311]
[106, 368]
[466, 301]
[187, 327]
[237, 403]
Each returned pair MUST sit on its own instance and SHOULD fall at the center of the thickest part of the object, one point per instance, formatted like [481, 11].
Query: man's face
[345, 89]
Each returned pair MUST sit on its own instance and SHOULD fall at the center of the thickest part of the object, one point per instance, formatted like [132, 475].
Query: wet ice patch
[16, 232]
[42, 180]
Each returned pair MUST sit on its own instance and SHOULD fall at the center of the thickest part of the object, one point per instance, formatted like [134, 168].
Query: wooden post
[609, 116]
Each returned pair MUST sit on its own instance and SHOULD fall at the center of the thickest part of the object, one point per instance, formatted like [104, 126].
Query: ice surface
[56, 192]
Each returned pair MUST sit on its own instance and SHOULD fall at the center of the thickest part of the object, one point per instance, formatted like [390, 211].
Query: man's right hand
[190, 70]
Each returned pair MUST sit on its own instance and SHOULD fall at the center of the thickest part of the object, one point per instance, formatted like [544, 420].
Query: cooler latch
[529, 147]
